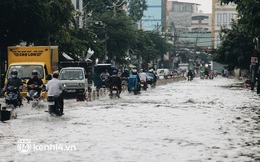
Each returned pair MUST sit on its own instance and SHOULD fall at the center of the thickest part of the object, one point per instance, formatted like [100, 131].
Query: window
[77, 4]
[231, 17]
[219, 19]
[225, 19]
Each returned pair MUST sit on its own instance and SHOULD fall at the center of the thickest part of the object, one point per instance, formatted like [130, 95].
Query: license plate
[114, 92]
[51, 103]
[142, 85]
[71, 90]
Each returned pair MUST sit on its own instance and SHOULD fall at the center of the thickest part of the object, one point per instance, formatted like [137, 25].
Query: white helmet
[134, 71]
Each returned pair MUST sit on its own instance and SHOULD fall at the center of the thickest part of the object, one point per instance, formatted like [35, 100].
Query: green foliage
[51, 22]
[249, 15]
[121, 35]
[34, 21]
[136, 9]
[236, 47]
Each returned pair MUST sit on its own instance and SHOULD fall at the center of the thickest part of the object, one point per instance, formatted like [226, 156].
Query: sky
[206, 5]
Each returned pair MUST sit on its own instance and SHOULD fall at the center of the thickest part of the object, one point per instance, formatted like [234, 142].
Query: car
[74, 80]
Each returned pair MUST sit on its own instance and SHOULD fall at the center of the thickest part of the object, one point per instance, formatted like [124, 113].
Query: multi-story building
[186, 17]
[152, 19]
[222, 16]
[192, 28]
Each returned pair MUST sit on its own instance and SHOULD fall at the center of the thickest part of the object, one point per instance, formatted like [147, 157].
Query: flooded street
[201, 120]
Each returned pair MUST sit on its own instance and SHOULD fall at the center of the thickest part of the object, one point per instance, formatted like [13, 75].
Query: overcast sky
[206, 5]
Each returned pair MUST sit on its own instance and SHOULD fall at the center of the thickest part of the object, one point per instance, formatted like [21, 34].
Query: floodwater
[201, 120]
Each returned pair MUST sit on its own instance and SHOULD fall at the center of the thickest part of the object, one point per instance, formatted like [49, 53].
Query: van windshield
[25, 71]
[71, 74]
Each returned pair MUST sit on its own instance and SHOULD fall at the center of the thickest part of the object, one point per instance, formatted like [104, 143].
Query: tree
[236, 47]
[249, 15]
[136, 9]
[34, 21]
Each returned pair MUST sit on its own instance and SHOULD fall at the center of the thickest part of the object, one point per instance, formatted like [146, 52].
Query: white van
[74, 80]
[162, 73]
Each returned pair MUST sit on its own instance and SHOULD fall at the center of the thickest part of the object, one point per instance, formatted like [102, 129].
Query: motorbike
[143, 85]
[114, 92]
[32, 95]
[189, 78]
[211, 76]
[103, 83]
[133, 85]
[124, 83]
[12, 97]
[53, 106]
[150, 81]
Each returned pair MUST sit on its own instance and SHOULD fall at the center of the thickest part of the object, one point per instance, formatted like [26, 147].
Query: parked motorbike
[33, 95]
[114, 92]
[53, 106]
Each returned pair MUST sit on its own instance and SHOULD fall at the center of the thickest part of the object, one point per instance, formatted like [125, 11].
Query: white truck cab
[74, 80]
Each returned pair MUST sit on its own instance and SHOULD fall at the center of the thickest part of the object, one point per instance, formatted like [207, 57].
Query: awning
[132, 66]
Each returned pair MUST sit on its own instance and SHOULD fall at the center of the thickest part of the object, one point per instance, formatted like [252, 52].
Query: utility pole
[115, 5]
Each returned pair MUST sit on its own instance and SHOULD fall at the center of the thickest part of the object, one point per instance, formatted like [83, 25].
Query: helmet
[35, 73]
[151, 70]
[14, 72]
[134, 71]
[114, 72]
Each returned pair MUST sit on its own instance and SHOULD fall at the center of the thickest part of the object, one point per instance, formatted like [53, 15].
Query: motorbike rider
[151, 73]
[115, 80]
[135, 74]
[125, 74]
[16, 82]
[215, 72]
[143, 77]
[190, 73]
[104, 76]
[206, 72]
[55, 88]
[36, 81]
[201, 73]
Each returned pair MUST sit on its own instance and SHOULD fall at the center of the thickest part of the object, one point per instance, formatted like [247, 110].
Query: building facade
[152, 19]
[222, 16]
